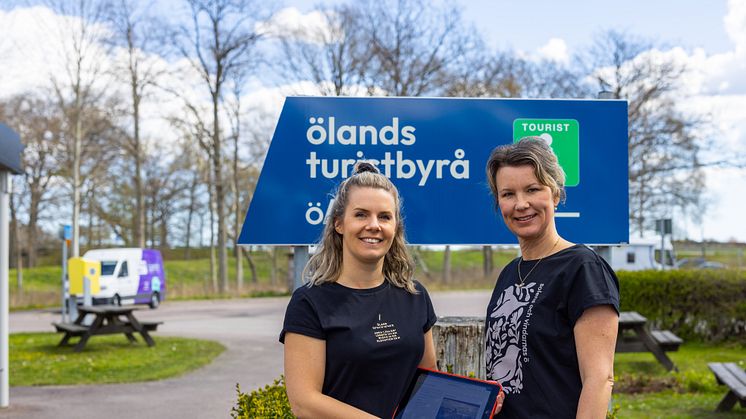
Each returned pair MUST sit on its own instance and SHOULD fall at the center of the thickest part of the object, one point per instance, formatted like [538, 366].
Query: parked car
[699, 263]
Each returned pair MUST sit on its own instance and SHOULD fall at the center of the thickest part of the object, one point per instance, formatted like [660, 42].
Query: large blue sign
[435, 151]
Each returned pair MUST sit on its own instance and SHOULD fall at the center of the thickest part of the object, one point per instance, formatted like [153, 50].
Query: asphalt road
[248, 328]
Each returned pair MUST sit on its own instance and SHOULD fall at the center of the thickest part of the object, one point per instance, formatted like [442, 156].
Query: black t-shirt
[530, 346]
[374, 339]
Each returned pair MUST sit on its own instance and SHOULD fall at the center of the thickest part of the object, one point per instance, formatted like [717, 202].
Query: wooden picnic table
[634, 336]
[109, 319]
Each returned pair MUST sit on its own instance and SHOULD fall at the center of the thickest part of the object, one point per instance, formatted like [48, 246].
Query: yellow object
[78, 269]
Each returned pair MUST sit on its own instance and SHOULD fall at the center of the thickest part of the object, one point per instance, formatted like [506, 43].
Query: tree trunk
[447, 265]
[190, 215]
[31, 236]
[252, 266]
[273, 266]
[459, 345]
[139, 208]
[77, 141]
[213, 275]
[237, 208]
[420, 261]
[487, 264]
[16, 245]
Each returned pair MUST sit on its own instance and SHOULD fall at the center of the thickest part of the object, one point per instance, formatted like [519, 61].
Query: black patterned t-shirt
[530, 345]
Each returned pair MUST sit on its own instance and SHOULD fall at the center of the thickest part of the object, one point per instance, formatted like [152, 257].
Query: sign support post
[5, 187]
[300, 258]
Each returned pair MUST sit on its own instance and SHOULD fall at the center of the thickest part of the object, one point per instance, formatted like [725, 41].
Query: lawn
[644, 389]
[35, 359]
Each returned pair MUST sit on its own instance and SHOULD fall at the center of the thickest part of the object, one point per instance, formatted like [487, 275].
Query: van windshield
[108, 267]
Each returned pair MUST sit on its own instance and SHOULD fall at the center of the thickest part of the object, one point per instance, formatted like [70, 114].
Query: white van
[639, 254]
[130, 276]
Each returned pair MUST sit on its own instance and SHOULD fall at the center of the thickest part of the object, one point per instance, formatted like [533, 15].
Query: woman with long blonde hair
[356, 333]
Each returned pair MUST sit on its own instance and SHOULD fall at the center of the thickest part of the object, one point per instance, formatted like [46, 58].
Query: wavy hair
[528, 151]
[326, 264]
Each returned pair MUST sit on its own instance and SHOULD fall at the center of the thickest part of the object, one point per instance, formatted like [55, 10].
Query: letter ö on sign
[314, 214]
[316, 129]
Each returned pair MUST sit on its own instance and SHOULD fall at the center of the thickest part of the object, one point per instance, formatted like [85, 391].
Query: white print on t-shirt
[506, 343]
[384, 332]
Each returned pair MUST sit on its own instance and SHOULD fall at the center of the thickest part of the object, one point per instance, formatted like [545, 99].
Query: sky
[709, 36]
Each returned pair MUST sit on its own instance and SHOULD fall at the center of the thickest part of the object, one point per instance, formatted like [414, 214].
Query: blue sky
[709, 36]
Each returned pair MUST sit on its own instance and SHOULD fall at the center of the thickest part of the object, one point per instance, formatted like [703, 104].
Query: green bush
[268, 402]
[707, 305]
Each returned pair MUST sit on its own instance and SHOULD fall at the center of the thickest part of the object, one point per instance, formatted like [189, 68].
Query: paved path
[247, 327]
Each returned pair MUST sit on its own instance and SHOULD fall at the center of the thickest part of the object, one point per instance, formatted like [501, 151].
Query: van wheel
[115, 300]
[155, 300]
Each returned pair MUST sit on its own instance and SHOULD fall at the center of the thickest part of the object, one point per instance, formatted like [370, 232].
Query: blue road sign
[435, 151]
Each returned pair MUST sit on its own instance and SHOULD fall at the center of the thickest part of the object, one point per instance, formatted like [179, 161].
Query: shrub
[268, 402]
[707, 305]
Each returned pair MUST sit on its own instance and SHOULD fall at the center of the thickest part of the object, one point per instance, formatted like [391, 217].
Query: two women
[355, 336]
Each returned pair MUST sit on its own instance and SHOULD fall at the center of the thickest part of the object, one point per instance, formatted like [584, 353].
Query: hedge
[268, 402]
[706, 305]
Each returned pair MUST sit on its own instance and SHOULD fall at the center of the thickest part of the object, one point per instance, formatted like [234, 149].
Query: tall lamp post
[10, 163]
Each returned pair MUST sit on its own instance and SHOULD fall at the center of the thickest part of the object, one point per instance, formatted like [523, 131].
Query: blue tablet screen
[441, 396]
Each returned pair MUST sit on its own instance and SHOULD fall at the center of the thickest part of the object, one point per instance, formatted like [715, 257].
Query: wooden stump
[459, 345]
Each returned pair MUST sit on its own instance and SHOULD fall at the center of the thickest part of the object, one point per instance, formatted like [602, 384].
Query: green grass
[35, 359]
[673, 405]
[644, 389]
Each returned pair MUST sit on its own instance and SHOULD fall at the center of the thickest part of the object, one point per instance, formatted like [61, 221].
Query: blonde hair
[528, 151]
[326, 264]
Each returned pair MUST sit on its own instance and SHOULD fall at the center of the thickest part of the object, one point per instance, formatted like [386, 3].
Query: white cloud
[735, 24]
[555, 50]
[291, 22]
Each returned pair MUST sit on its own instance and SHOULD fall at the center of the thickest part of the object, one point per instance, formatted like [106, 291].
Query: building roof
[10, 150]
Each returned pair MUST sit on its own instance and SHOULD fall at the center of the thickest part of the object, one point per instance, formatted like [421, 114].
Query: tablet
[439, 395]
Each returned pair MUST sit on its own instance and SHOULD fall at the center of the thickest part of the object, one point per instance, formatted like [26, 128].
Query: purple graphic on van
[152, 277]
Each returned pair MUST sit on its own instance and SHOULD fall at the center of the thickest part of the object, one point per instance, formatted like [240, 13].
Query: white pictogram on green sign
[562, 135]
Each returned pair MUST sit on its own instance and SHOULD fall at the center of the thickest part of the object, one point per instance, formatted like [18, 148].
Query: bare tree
[665, 169]
[135, 32]
[333, 55]
[82, 50]
[412, 42]
[41, 130]
[219, 42]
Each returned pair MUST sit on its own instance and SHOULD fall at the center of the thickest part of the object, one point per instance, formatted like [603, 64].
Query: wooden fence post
[459, 345]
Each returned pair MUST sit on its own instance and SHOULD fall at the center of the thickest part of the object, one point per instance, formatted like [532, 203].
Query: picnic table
[109, 319]
[634, 336]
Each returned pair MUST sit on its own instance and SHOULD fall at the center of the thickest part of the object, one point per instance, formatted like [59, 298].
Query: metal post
[5, 187]
[65, 284]
[300, 258]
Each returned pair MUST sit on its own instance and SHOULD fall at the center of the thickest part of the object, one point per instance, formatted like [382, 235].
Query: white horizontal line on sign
[567, 215]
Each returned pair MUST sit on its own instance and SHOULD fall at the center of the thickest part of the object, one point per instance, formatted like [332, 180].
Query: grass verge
[644, 389]
[35, 359]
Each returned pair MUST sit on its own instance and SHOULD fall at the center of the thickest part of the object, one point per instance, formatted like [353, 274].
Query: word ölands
[393, 168]
[546, 126]
[318, 134]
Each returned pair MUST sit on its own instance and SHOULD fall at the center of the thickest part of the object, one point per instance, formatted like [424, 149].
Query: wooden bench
[71, 328]
[634, 336]
[667, 340]
[731, 375]
[149, 326]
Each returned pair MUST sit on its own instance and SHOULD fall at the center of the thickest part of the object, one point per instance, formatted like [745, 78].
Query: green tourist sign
[562, 135]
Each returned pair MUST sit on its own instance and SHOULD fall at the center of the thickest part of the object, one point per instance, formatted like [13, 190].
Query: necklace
[523, 279]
